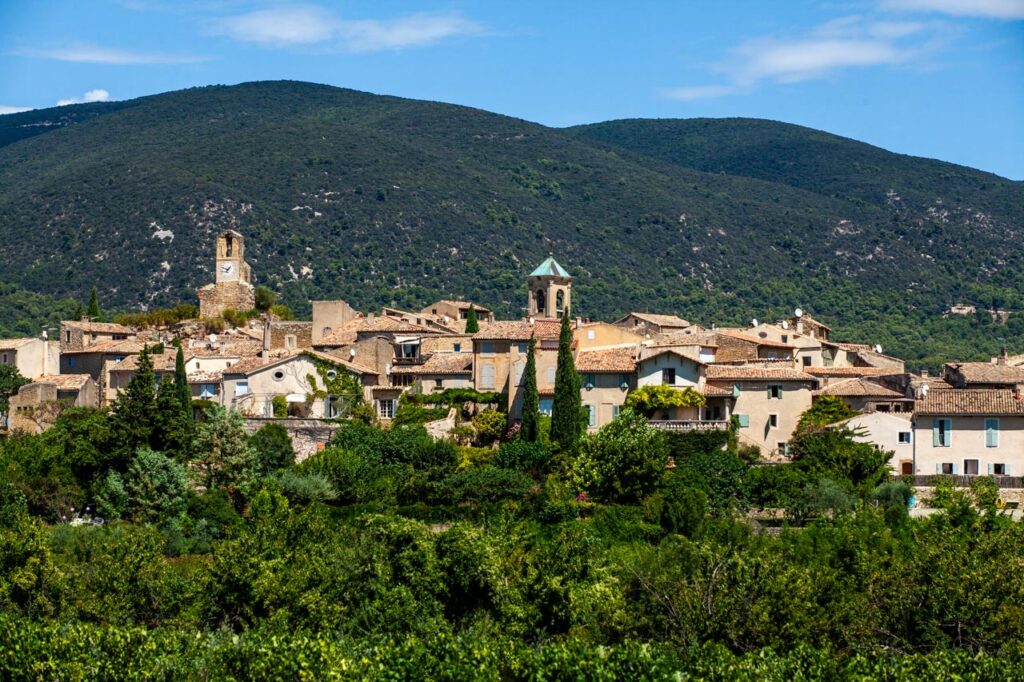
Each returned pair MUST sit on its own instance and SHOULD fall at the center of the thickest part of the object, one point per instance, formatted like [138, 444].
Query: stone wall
[308, 436]
[278, 332]
[214, 299]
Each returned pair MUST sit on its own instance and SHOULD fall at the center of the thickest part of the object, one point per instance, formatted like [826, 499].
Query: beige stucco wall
[606, 395]
[968, 442]
[883, 430]
[33, 358]
[754, 402]
[603, 335]
[264, 385]
[688, 372]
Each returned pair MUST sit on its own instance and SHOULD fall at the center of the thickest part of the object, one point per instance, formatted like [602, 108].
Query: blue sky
[935, 78]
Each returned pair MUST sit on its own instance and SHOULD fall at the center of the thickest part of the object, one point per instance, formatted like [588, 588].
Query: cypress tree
[93, 311]
[472, 324]
[181, 383]
[135, 409]
[531, 398]
[171, 424]
[566, 423]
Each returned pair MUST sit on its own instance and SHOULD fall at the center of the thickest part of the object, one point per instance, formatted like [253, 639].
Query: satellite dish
[753, 322]
[878, 348]
[351, 352]
[785, 325]
[213, 338]
[798, 312]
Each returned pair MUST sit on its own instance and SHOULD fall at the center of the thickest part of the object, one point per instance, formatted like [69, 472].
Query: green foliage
[225, 460]
[566, 419]
[156, 487]
[410, 413]
[472, 324]
[623, 461]
[10, 381]
[834, 454]
[522, 455]
[265, 298]
[273, 447]
[531, 397]
[173, 423]
[456, 397]
[483, 484]
[279, 403]
[826, 410]
[305, 488]
[683, 508]
[719, 474]
[134, 410]
[92, 311]
[160, 317]
[489, 426]
[647, 400]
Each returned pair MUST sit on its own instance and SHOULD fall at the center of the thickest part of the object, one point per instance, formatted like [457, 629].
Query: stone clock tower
[232, 286]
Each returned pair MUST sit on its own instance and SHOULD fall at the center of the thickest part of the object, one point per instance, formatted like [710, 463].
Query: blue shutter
[592, 409]
[935, 433]
[744, 420]
[991, 433]
[989, 469]
[955, 469]
[938, 468]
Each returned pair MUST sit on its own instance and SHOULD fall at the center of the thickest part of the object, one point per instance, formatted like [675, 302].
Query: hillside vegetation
[382, 200]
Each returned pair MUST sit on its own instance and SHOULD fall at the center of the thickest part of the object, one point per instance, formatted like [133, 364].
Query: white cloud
[840, 44]
[313, 25]
[988, 9]
[88, 53]
[97, 95]
[5, 109]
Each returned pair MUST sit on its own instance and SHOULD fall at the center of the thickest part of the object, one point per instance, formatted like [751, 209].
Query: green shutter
[744, 420]
[593, 414]
[991, 433]
[935, 433]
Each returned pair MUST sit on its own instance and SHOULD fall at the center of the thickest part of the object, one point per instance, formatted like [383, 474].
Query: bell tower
[232, 287]
[550, 290]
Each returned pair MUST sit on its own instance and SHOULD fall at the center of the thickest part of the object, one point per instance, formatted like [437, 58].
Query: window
[457, 347]
[807, 361]
[906, 468]
[668, 376]
[242, 387]
[714, 413]
[904, 437]
[591, 335]
[278, 375]
[332, 374]
[67, 336]
[402, 380]
[782, 448]
[522, 347]
[546, 405]
[559, 301]
[486, 376]
[591, 416]
[785, 338]
[589, 381]
[998, 469]
[438, 383]
[487, 347]
[624, 381]
[207, 391]
[947, 468]
[773, 421]
[942, 433]
[463, 314]
[971, 467]
[743, 420]
[386, 408]
[775, 391]
[538, 297]
[992, 433]
[616, 411]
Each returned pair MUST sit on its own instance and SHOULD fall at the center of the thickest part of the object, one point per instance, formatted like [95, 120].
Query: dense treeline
[385, 201]
[388, 554]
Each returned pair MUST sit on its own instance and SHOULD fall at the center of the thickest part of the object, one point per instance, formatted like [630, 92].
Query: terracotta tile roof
[933, 383]
[519, 330]
[250, 365]
[13, 344]
[162, 362]
[716, 391]
[383, 324]
[66, 382]
[857, 388]
[607, 360]
[439, 363]
[461, 305]
[808, 319]
[206, 377]
[648, 353]
[706, 339]
[246, 365]
[851, 371]
[126, 347]
[659, 320]
[979, 402]
[98, 327]
[745, 372]
[751, 338]
[987, 373]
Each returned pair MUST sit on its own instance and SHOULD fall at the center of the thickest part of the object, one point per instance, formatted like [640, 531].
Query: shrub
[273, 448]
[521, 455]
[483, 484]
[489, 425]
[280, 406]
[623, 461]
[305, 488]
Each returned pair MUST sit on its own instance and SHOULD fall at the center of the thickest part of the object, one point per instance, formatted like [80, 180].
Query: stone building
[37, 405]
[550, 290]
[31, 356]
[76, 335]
[232, 287]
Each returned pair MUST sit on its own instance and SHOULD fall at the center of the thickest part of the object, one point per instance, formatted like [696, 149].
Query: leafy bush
[279, 403]
[306, 487]
[647, 400]
[483, 484]
[623, 461]
[533, 458]
[489, 426]
[273, 447]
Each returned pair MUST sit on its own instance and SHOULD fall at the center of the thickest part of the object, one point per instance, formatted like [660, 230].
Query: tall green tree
[93, 311]
[135, 409]
[531, 398]
[172, 421]
[10, 381]
[181, 382]
[566, 422]
[472, 324]
[225, 458]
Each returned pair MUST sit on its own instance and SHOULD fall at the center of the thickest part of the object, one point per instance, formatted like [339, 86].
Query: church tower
[550, 290]
[232, 287]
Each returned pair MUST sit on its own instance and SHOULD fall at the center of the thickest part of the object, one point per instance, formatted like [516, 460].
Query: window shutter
[743, 419]
[991, 433]
[935, 433]
[1006, 470]
[938, 468]
[989, 469]
[592, 410]
[955, 469]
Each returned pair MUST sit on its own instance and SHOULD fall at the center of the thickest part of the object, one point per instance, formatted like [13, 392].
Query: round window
[332, 375]
[278, 375]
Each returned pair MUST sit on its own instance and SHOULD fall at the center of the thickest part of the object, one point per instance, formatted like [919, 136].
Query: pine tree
[172, 423]
[93, 312]
[566, 424]
[472, 324]
[531, 398]
[135, 410]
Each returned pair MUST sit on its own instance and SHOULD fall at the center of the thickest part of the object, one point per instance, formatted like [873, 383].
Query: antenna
[798, 313]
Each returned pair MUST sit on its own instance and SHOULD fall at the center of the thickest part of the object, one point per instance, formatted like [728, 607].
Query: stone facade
[232, 287]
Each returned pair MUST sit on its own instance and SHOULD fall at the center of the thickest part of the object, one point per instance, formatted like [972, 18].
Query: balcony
[689, 425]
[960, 480]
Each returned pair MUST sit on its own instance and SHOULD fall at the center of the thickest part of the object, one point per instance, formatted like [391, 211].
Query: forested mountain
[382, 200]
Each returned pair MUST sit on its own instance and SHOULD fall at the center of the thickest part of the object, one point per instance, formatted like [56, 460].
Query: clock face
[226, 271]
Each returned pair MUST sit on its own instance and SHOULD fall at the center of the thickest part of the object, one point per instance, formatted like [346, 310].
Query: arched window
[228, 246]
[540, 300]
[560, 301]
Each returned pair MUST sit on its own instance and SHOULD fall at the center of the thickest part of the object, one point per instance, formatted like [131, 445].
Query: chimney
[924, 374]
[1004, 355]
[799, 326]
